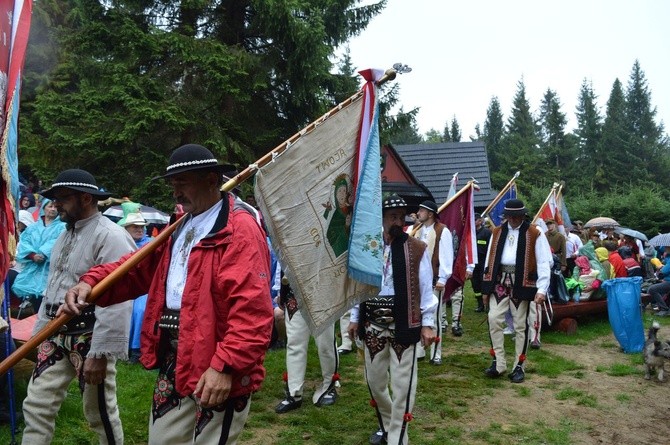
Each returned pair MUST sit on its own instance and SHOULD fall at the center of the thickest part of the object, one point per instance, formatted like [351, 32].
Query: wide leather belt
[508, 269]
[169, 319]
[379, 310]
[169, 322]
[81, 324]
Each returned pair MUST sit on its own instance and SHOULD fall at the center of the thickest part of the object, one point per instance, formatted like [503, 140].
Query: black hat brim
[522, 212]
[49, 194]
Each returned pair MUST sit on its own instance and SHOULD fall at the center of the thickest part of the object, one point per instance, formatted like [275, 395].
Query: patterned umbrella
[661, 240]
[602, 222]
[152, 215]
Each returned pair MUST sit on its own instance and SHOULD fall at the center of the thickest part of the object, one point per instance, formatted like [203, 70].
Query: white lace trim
[76, 184]
[182, 164]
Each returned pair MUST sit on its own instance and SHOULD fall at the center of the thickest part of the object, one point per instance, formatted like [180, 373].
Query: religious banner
[14, 30]
[309, 197]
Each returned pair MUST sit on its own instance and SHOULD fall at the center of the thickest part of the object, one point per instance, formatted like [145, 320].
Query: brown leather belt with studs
[81, 324]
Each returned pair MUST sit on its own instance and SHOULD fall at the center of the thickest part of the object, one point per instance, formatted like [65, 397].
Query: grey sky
[464, 52]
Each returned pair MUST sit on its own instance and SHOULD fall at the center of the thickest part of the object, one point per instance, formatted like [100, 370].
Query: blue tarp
[625, 312]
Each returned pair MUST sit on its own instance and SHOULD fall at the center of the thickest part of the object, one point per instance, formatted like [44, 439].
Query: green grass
[446, 394]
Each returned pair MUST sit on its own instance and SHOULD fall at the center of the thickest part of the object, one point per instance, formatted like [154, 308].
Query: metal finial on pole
[401, 68]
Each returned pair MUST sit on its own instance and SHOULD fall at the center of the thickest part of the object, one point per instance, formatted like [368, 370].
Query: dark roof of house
[412, 194]
[435, 164]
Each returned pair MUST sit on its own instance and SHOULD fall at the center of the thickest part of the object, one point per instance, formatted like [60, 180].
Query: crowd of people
[203, 307]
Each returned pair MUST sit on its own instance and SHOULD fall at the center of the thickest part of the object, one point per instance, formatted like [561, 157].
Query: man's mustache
[395, 231]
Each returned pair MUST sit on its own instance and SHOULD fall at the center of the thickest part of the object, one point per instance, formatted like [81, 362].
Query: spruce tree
[521, 146]
[133, 79]
[455, 131]
[494, 131]
[646, 137]
[559, 153]
[446, 134]
[588, 132]
[616, 163]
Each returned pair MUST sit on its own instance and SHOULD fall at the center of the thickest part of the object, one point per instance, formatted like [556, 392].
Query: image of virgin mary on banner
[321, 201]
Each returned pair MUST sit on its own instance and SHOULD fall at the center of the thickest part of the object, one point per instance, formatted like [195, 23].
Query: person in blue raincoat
[34, 254]
[135, 224]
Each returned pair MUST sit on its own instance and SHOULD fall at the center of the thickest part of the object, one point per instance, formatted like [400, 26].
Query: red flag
[14, 29]
[552, 208]
[459, 217]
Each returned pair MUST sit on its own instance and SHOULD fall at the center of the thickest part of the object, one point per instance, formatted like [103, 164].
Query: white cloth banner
[305, 196]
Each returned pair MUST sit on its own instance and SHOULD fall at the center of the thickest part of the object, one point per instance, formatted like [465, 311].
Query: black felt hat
[514, 207]
[394, 202]
[429, 205]
[191, 157]
[76, 179]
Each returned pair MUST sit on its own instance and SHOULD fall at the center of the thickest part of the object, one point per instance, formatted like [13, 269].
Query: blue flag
[496, 214]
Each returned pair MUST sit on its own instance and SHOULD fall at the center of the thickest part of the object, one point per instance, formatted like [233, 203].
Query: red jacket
[226, 316]
[616, 261]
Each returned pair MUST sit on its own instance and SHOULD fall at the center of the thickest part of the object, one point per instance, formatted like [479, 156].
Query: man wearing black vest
[392, 323]
[516, 272]
[483, 237]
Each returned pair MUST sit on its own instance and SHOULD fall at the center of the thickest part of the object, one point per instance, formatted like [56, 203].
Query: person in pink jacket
[208, 320]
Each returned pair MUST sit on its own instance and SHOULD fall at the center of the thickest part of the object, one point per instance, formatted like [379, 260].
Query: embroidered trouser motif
[177, 419]
[60, 359]
[502, 301]
[384, 358]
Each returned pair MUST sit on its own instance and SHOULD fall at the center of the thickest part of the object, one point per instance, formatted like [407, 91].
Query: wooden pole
[497, 199]
[54, 325]
[465, 188]
[553, 191]
[245, 174]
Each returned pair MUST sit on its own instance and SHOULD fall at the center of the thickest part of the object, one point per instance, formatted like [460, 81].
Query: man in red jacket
[208, 320]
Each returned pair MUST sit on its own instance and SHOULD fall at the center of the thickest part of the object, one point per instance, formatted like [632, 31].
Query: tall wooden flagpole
[54, 325]
[553, 191]
[245, 174]
[466, 187]
[497, 199]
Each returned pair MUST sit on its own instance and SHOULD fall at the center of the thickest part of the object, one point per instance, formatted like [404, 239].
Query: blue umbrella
[631, 232]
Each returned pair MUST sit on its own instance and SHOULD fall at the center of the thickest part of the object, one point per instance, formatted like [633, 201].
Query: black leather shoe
[328, 398]
[517, 376]
[535, 344]
[479, 309]
[492, 372]
[287, 405]
[378, 438]
[436, 361]
[457, 330]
